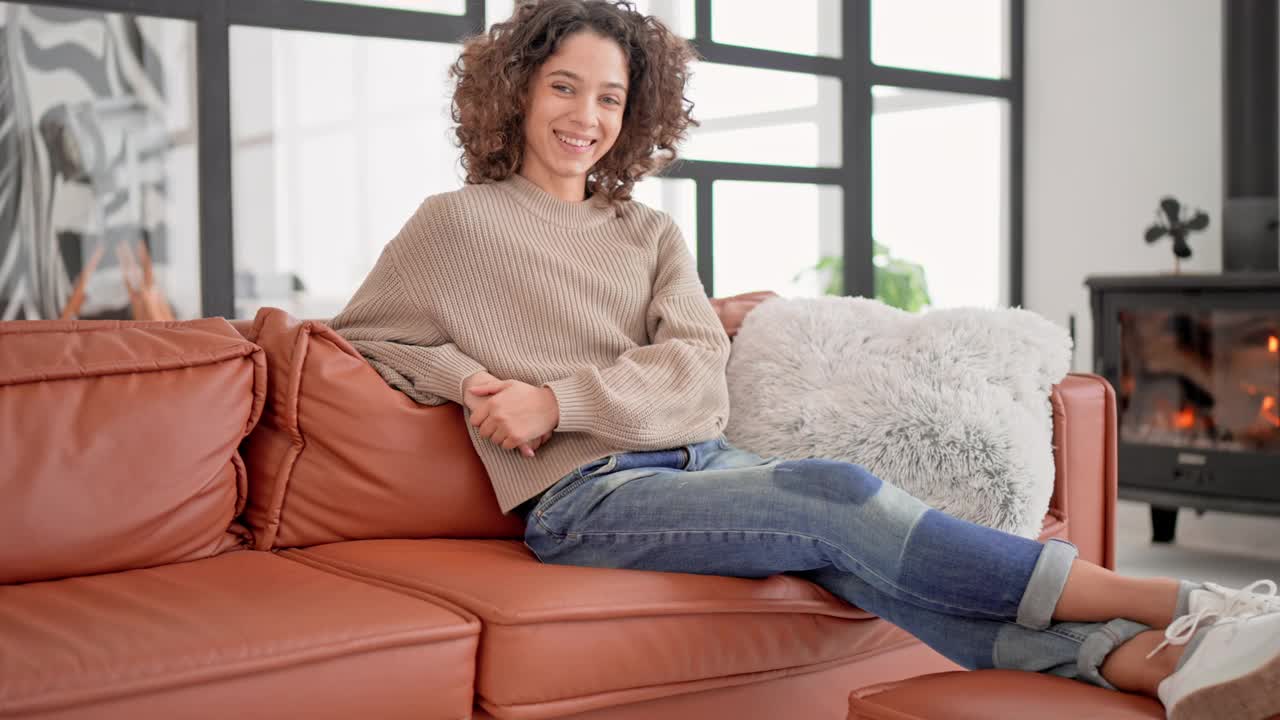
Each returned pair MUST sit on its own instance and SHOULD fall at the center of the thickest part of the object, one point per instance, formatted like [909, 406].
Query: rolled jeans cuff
[1048, 578]
[1099, 644]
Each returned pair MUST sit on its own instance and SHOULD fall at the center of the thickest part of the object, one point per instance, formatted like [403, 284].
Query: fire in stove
[1201, 379]
[1268, 411]
[1266, 406]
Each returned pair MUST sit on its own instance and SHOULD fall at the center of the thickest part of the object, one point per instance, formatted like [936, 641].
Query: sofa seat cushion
[244, 633]
[560, 639]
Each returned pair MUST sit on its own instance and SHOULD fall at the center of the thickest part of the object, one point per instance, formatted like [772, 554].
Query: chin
[575, 171]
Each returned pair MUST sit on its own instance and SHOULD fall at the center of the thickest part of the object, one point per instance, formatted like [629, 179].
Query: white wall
[1123, 106]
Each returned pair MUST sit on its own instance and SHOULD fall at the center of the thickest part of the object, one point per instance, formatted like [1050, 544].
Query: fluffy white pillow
[951, 405]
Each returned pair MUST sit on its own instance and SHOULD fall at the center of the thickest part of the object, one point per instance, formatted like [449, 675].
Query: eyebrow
[578, 78]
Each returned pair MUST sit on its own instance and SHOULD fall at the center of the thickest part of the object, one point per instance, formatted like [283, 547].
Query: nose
[583, 113]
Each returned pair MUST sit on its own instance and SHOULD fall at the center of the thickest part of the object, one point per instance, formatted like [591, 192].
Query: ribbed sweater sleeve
[403, 343]
[656, 396]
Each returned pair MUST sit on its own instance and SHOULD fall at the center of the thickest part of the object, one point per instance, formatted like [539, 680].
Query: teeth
[574, 142]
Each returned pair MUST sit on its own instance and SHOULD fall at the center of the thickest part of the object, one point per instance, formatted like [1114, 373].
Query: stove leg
[1164, 523]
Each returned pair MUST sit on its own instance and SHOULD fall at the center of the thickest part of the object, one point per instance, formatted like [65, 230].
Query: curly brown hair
[494, 70]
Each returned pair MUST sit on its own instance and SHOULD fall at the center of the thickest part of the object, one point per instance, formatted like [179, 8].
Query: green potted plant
[899, 283]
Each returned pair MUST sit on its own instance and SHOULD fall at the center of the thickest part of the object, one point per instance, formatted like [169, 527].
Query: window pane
[794, 253]
[447, 7]
[940, 197]
[807, 27]
[676, 14]
[678, 198]
[767, 117]
[98, 144]
[961, 37]
[336, 141]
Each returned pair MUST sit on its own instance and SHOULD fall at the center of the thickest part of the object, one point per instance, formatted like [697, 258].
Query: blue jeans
[980, 597]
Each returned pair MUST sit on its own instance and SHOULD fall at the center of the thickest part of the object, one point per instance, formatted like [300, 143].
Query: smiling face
[574, 113]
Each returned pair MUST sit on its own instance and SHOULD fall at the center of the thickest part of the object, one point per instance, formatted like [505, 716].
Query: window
[960, 37]
[806, 27]
[865, 122]
[787, 119]
[940, 195]
[336, 140]
[780, 236]
[859, 148]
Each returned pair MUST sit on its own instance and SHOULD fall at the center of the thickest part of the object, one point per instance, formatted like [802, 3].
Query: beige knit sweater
[602, 306]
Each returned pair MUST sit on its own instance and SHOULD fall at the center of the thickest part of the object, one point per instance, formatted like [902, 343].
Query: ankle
[1162, 598]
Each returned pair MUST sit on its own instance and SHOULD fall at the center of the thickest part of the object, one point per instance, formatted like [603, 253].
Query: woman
[570, 324]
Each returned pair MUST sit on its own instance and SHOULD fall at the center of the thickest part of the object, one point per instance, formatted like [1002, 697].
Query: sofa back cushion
[120, 444]
[340, 455]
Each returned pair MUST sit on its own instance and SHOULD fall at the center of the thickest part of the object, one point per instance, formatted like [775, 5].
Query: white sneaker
[1257, 598]
[1232, 674]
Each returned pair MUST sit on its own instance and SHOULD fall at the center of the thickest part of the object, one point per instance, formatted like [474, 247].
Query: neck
[567, 189]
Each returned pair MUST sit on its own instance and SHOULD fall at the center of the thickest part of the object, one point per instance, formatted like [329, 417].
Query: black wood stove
[1195, 361]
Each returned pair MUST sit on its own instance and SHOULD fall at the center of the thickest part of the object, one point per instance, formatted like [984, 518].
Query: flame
[1268, 403]
[1268, 411]
[1185, 418]
[1273, 344]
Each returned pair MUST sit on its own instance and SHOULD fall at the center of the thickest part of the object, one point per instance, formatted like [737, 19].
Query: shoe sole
[1255, 696]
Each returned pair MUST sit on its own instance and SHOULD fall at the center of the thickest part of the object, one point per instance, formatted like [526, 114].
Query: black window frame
[855, 71]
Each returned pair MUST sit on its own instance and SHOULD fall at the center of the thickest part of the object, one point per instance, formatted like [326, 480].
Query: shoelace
[1247, 602]
[1250, 598]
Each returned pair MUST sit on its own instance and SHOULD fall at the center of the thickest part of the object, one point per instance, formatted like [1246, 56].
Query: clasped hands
[511, 413]
[514, 414]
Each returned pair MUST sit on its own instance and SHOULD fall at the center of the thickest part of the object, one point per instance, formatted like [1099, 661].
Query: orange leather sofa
[206, 521]
[991, 694]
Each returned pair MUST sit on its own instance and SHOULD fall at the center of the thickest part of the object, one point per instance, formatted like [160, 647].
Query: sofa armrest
[1084, 454]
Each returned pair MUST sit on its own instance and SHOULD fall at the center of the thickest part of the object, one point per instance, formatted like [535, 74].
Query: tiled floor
[1220, 547]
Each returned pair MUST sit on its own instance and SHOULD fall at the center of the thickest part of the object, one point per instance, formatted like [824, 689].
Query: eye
[561, 87]
[611, 100]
